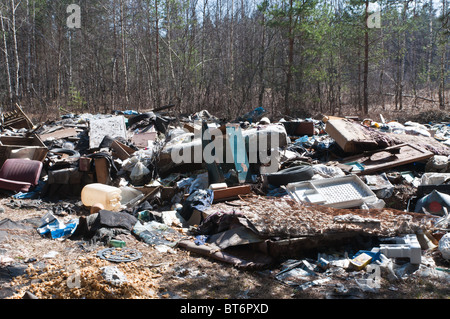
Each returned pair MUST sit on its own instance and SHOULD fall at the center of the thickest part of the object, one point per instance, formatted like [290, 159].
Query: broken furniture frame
[16, 119]
[22, 147]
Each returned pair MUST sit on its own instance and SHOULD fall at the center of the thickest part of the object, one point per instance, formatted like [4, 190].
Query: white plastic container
[339, 192]
[97, 193]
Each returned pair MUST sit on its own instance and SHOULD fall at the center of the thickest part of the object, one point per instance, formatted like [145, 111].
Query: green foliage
[75, 101]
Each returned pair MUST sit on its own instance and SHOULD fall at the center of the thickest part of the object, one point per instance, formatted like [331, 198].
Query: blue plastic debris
[200, 240]
[54, 228]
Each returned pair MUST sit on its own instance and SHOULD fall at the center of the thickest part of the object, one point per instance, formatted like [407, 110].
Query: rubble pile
[250, 192]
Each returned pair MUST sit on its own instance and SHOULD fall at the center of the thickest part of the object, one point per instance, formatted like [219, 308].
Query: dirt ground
[75, 272]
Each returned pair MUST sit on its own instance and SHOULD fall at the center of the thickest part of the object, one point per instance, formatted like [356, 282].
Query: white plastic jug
[97, 193]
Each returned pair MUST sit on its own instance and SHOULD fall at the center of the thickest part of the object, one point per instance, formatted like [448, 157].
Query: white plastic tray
[340, 192]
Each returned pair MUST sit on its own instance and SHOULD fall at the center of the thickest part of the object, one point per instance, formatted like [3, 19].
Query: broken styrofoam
[113, 275]
[405, 247]
[434, 178]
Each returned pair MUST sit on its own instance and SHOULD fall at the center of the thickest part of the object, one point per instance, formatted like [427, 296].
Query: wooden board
[350, 136]
[390, 157]
[121, 150]
[63, 133]
[102, 170]
[231, 192]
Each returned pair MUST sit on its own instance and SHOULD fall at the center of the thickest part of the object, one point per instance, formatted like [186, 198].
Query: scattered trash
[444, 246]
[404, 247]
[313, 283]
[97, 193]
[50, 255]
[434, 203]
[287, 186]
[51, 226]
[361, 260]
[113, 275]
[339, 192]
[119, 254]
[155, 233]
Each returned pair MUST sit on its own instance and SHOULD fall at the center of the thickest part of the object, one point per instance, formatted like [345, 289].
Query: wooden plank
[390, 157]
[24, 115]
[102, 170]
[84, 164]
[63, 133]
[350, 136]
[121, 151]
[231, 192]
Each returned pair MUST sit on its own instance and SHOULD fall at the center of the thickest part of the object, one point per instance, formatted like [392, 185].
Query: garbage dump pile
[309, 197]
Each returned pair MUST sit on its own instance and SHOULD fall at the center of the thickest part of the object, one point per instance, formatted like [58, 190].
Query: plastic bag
[444, 246]
[138, 173]
[328, 171]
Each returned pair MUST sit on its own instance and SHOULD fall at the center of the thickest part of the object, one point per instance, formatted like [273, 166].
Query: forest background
[295, 58]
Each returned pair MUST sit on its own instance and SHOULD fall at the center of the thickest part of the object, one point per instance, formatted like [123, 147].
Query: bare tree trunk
[169, 45]
[290, 62]
[430, 45]
[16, 50]
[366, 63]
[261, 69]
[58, 71]
[28, 49]
[383, 61]
[124, 62]
[360, 104]
[158, 79]
[403, 58]
[443, 60]
[231, 83]
[202, 58]
[114, 65]
[8, 70]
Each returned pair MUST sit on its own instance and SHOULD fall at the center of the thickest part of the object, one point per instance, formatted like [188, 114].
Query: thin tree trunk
[16, 49]
[290, 62]
[158, 87]
[261, 69]
[231, 83]
[8, 71]
[169, 44]
[28, 49]
[124, 62]
[366, 64]
[443, 60]
[430, 45]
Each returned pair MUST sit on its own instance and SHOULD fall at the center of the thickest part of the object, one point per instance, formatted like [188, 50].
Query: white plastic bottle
[97, 193]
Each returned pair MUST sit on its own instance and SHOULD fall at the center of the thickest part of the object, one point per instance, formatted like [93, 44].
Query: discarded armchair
[20, 174]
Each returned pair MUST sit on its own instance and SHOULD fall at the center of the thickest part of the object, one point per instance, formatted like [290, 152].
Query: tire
[137, 118]
[71, 153]
[291, 175]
